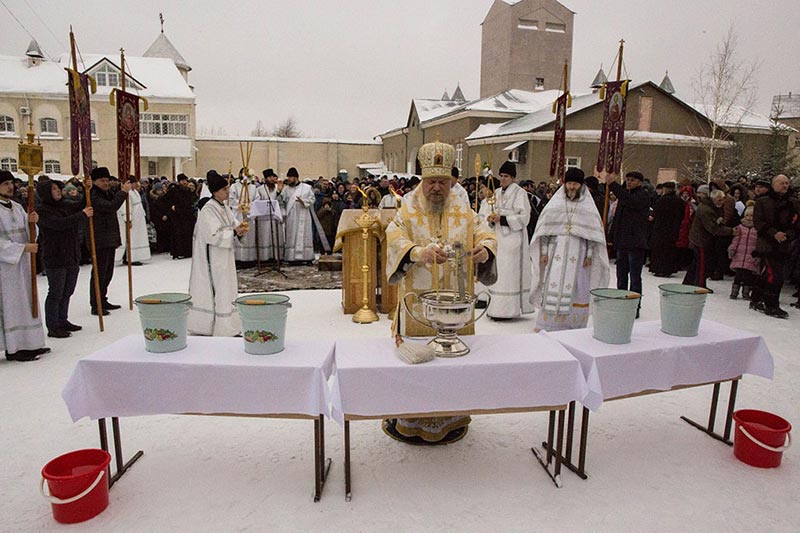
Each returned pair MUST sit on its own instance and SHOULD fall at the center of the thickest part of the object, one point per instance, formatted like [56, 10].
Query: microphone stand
[276, 248]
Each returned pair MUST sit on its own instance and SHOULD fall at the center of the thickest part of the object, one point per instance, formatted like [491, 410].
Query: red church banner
[558, 157]
[612, 137]
[127, 134]
[80, 121]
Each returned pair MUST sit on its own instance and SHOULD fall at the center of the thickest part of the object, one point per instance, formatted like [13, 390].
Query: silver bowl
[446, 313]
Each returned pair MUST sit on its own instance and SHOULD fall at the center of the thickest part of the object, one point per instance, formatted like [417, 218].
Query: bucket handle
[766, 447]
[52, 499]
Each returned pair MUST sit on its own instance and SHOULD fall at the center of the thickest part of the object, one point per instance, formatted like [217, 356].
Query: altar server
[140, 243]
[212, 282]
[297, 200]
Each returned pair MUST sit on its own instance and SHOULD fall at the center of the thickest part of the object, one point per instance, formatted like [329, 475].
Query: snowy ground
[648, 469]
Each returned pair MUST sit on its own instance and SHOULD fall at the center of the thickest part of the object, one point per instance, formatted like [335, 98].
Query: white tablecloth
[656, 361]
[508, 371]
[211, 375]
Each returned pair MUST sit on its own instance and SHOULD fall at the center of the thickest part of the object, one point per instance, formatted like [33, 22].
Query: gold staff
[31, 155]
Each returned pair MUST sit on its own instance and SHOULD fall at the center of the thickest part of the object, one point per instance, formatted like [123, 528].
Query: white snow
[648, 469]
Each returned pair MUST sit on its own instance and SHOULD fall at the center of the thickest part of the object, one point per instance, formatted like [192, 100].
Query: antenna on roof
[161, 18]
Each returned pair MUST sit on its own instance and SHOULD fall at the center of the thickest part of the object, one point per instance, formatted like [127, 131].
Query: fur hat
[292, 173]
[704, 189]
[182, 177]
[508, 168]
[100, 173]
[575, 175]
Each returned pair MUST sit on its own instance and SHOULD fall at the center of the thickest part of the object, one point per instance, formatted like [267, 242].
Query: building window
[8, 163]
[106, 76]
[6, 124]
[48, 125]
[645, 112]
[526, 24]
[539, 85]
[152, 168]
[459, 156]
[556, 27]
[163, 124]
[573, 162]
[52, 166]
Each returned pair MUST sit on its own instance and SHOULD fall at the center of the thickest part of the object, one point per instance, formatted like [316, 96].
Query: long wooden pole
[127, 204]
[608, 189]
[87, 181]
[32, 238]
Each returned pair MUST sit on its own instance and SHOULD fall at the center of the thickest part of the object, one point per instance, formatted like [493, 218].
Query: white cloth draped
[298, 202]
[18, 329]
[510, 293]
[212, 282]
[140, 244]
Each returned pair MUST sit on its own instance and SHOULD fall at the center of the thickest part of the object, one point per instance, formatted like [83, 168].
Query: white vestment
[510, 294]
[213, 283]
[388, 202]
[244, 248]
[269, 228]
[18, 329]
[140, 244]
[567, 232]
[460, 191]
[298, 202]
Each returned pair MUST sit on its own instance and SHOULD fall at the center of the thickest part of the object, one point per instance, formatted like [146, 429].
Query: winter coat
[741, 249]
[629, 227]
[774, 213]
[60, 228]
[667, 217]
[106, 222]
[706, 225]
[686, 225]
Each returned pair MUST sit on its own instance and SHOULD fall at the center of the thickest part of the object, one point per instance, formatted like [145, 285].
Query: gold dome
[436, 159]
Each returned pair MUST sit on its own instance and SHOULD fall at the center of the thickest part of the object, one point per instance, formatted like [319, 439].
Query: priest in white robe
[244, 248]
[568, 257]
[512, 211]
[271, 236]
[212, 282]
[21, 335]
[430, 222]
[298, 200]
[140, 243]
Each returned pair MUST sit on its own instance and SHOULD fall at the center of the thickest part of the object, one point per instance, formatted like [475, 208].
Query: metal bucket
[263, 322]
[681, 308]
[163, 317]
[613, 313]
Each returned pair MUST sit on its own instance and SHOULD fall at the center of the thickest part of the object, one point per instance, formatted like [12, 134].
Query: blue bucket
[263, 322]
[681, 308]
[163, 317]
[613, 313]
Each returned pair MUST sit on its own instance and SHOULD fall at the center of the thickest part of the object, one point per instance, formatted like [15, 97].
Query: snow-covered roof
[513, 102]
[739, 117]
[284, 139]
[160, 76]
[789, 105]
[163, 47]
[429, 109]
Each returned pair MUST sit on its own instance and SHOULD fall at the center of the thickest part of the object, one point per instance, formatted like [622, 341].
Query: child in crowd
[741, 254]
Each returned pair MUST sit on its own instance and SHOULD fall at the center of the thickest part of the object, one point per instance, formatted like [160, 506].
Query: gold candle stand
[365, 221]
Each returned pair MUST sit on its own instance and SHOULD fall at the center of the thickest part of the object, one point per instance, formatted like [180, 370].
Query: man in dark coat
[159, 215]
[180, 202]
[60, 227]
[667, 217]
[106, 232]
[707, 226]
[629, 228]
[774, 219]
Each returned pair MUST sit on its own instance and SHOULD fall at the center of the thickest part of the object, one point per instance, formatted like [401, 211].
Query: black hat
[269, 173]
[669, 185]
[763, 182]
[5, 175]
[100, 173]
[182, 177]
[454, 172]
[635, 175]
[214, 181]
[592, 182]
[508, 168]
[292, 173]
[574, 174]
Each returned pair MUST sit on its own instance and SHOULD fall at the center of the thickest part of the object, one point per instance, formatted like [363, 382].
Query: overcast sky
[348, 69]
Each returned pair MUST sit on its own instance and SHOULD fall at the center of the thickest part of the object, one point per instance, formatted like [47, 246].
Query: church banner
[612, 137]
[127, 134]
[558, 157]
[80, 121]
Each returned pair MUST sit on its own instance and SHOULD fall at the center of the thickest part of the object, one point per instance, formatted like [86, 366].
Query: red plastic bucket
[77, 488]
[760, 438]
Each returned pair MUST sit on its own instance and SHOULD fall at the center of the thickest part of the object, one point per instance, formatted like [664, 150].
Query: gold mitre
[436, 159]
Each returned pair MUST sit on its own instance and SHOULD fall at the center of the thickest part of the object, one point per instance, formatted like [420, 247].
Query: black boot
[735, 291]
[746, 289]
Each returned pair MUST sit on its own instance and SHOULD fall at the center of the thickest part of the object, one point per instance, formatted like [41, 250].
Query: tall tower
[524, 44]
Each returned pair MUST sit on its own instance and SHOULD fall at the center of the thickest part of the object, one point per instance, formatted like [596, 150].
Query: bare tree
[724, 87]
[287, 128]
[213, 131]
[260, 130]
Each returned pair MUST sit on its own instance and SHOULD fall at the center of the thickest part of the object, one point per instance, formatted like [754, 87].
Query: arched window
[6, 124]
[52, 166]
[48, 125]
[8, 163]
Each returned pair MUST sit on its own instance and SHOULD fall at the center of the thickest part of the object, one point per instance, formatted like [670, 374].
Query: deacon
[245, 248]
[212, 282]
[426, 230]
[568, 256]
[140, 242]
[270, 229]
[510, 222]
[21, 335]
[297, 200]
[106, 203]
